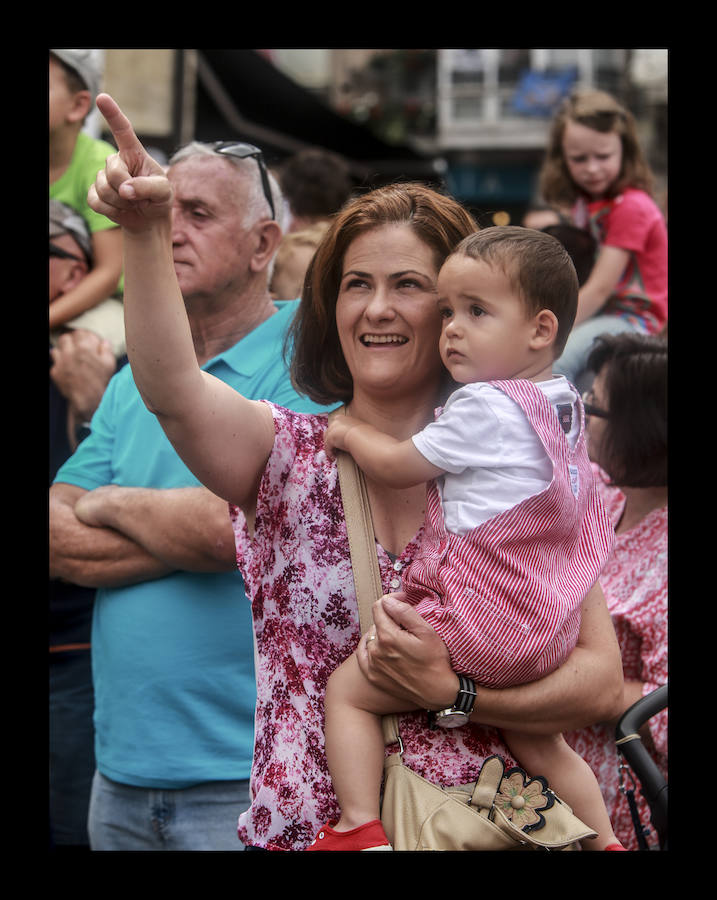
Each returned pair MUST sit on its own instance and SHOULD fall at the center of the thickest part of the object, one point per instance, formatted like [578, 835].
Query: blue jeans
[72, 751]
[572, 363]
[203, 817]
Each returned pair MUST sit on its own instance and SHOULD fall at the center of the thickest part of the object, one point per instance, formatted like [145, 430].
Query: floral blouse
[298, 576]
[635, 584]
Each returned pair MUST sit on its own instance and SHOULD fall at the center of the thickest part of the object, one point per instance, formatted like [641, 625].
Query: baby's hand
[335, 434]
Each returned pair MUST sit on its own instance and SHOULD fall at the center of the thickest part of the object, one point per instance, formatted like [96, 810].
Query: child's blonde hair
[285, 266]
[601, 112]
[310, 236]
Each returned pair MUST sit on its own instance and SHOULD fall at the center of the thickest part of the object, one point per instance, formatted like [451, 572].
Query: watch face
[451, 718]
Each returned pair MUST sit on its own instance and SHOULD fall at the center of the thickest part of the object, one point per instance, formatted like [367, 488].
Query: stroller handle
[645, 708]
[652, 781]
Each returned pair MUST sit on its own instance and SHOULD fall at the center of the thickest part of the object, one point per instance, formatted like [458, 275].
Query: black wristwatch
[460, 712]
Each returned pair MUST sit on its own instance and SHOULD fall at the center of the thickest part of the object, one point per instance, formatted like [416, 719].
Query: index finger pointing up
[119, 124]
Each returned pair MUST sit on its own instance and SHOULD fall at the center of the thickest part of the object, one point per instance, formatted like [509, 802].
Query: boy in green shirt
[75, 159]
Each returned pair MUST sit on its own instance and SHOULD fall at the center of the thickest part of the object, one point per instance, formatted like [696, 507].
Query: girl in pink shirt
[595, 167]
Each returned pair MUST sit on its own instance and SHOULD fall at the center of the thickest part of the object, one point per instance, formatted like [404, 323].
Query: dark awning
[243, 96]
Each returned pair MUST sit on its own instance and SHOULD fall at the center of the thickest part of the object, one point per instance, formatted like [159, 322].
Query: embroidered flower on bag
[520, 801]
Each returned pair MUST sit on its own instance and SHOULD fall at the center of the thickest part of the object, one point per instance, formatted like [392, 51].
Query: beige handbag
[502, 810]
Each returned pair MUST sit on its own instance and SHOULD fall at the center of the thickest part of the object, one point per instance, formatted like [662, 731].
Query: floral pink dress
[298, 578]
[635, 584]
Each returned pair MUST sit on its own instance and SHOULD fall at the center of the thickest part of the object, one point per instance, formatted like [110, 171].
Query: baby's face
[485, 329]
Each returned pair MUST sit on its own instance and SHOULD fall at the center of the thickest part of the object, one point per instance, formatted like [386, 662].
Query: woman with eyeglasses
[366, 335]
[627, 441]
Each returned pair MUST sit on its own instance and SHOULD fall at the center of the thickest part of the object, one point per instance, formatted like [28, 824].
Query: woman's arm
[409, 659]
[586, 689]
[224, 438]
[603, 279]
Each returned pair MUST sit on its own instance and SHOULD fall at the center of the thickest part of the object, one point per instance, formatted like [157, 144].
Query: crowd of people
[207, 668]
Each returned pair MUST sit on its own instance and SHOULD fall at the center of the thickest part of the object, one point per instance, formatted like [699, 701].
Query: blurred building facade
[486, 112]
[474, 119]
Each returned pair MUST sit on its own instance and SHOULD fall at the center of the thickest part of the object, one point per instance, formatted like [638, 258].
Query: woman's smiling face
[386, 312]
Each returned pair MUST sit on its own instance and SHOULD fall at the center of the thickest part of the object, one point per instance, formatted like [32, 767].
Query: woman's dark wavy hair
[318, 367]
[633, 449]
[601, 112]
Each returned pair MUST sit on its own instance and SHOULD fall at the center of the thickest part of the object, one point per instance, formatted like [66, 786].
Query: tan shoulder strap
[362, 541]
[362, 545]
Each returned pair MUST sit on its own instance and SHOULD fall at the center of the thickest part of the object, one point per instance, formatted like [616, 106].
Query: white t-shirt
[492, 457]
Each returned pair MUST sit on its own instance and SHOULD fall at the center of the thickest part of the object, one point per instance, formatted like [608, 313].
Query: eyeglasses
[246, 151]
[590, 409]
[63, 254]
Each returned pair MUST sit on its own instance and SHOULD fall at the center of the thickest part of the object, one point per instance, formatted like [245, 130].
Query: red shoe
[370, 836]
[615, 847]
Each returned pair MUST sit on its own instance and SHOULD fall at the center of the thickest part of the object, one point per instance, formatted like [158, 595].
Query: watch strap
[466, 697]
[464, 702]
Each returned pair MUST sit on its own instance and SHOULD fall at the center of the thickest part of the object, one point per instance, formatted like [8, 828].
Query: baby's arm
[383, 458]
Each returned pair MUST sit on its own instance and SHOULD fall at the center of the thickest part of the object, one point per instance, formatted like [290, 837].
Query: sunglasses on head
[245, 151]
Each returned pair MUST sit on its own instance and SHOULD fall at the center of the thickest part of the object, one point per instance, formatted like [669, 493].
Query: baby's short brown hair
[537, 265]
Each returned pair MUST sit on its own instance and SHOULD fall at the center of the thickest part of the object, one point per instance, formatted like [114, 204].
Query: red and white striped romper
[506, 597]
